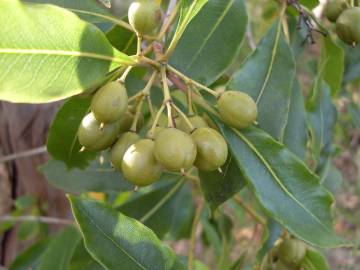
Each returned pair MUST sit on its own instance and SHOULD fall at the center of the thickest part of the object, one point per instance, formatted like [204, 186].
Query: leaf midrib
[66, 53]
[267, 165]
[271, 64]
[109, 238]
[216, 25]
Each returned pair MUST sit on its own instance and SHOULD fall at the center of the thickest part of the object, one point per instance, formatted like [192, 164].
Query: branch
[23, 154]
[249, 210]
[48, 220]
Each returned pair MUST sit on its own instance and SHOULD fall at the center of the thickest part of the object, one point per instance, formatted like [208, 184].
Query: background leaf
[272, 233]
[211, 41]
[314, 260]
[278, 179]
[62, 142]
[267, 75]
[114, 239]
[81, 260]
[333, 58]
[122, 39]
[53, 55]
[166, 206]
[218, 187]
[295, 133]
[96, 177]
[58, 254]
[30, 257]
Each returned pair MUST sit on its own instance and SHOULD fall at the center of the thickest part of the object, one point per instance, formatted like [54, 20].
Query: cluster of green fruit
[290, 254]
[347, 19]
[142, 160]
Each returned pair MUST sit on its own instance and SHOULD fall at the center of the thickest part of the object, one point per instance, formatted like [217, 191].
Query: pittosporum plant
[178, 125]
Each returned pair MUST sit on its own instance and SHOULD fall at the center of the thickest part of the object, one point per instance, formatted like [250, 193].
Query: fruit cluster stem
[137, 114]
[156, 120]
[183, 115]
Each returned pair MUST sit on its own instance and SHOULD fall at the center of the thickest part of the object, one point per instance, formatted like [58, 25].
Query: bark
[24, 127]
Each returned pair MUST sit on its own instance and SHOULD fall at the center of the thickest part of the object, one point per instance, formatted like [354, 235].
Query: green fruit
[139, 165]
[127, 120]
[237, 109]
[144, 16]
[211, 147]
[121, 146]
[196, 121]
[348, 26]
[292, 251]
[334, 8]
[156, 132]
[175, 149]
[282, 266]
[109, 102]
[94, 138]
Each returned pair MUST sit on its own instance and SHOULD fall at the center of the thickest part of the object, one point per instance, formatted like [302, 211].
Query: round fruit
[348, 26]
[156, 132]
[139, 165]
[94, 138]
[196, 121]
[121, 146]
[109, 102]
[211, 147]
[237, 109]
[282, 266]
[334, 8]
[292, 251]
[175, 149]
[127, 120]
[144, 16]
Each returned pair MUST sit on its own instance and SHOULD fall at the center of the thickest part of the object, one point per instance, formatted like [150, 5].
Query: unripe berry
[175, 149]
[334, 8]
[144, 16]
[237, 109]
[94, 138]
[121, 146]
[211, 147]
[348, 26]
[292, 251]
[139, 165]
[109, 102]
[196, 121]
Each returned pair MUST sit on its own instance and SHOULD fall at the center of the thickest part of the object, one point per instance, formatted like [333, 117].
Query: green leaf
[88, 10]
[330, 177]
[30, 257]
[272, 234]
[322, 118]
[268, 75]
[352, 64]
[81, 259]
[62, 141]
[295, 133]
[289, 192]
[114, 239]
[309, 3]
[332, 58]
[355, 114]
[96, 177]
[218, 186]
[58, 254]
[122, 39]
[47, 53]
[314, 260]
[212, 40]
[159, 208]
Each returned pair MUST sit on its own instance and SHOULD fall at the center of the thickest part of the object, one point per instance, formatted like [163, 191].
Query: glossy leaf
[114, 239]
[70, 57]
[268, 75]
[289, 192]
[63, 143]
[322, 117]
[218, 186]
[159, 208]
[89, 10]
[30, 257]
[314, 260]
[272, 234]
[330, 177]
[211, 41]
[96, 177]
[122, 39]
[295, 133]
[81, 259]
[333, 58]
[58, 254]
